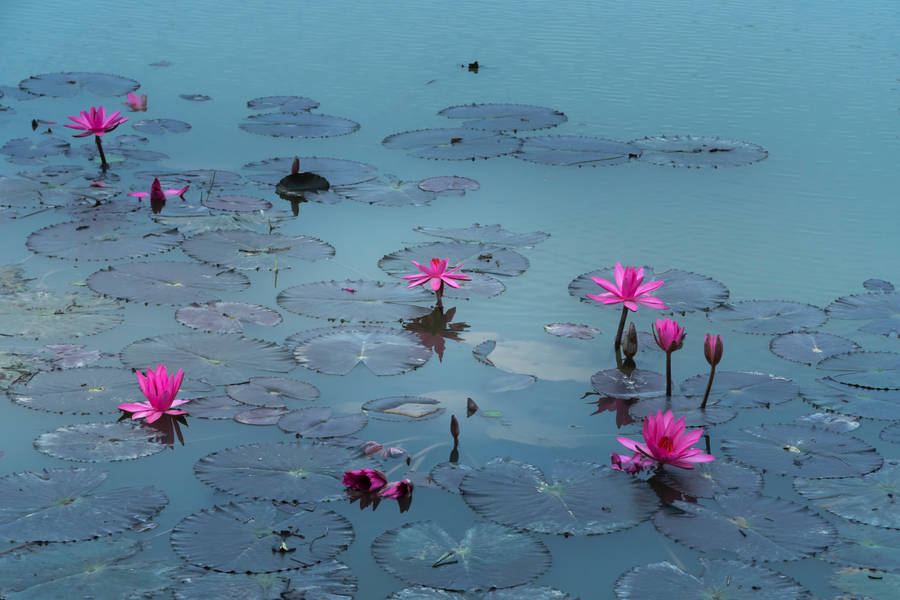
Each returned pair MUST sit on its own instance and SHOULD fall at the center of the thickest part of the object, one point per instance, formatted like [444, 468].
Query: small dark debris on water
[456, 140]
[34, 124]
[473, 67]
[195, 97]
[161, 63]
[471, 407]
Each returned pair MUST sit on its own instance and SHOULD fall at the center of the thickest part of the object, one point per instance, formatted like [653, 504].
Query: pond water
[793, 208]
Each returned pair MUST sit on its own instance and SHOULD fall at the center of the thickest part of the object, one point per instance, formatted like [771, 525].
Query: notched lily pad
[698, 151]
[164, 282]
[250, 250]
[576, 151]
[486, 234]
[357, 300]
[866, 547]
[638, 384]
[857, 402]
[871, 499]
[403, 408]
[160, 126]
[389, 191]
[273, 392]
[869, 370]
[453, 144]
[336, 351]
[329, 580]
[708, 480]
[882, 309]
[298, 124]
[88, 390]
[216, 407]
[478, 258]
[261, 415]
[29, 151]
[320, 422]
[742, 389]
[866, 584]
[101, 442]
[769, 316]
[810, 348]
[226, 317]
[504, 117]
[44, 314]
[571, 330]
[100, 239]
[68, 85]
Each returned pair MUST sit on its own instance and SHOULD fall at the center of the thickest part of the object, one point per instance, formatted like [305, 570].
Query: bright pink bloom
[667, 443]
[712, 349]
[160, 390]
[364, 480]
[136, 104]
[668, 334]
[630, 464]
[397, 489]
[437, 274]
[628, 289]
[157, 193]
[96, 122]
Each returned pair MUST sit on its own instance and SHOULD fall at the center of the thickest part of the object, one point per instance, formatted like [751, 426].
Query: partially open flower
[364, 480]
[630, 342]
[668, 335]
[712, 349]
[397, 489]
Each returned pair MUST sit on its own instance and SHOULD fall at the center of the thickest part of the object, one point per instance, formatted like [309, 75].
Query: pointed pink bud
[295, 166]
[156, 192]
[713, 348]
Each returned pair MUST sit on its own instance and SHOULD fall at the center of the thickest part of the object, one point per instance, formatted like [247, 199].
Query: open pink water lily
[667, 443]
[668, 334]
[96, 122]
[629, 289]
[436, 273]
[160, 390]
[157, 193]
[630, 464]
[364, 480]
[713, 348]
[397, 489]
[136, 104]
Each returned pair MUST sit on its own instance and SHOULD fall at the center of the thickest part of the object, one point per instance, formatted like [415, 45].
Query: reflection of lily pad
[226, 317]
[639, 384]
[273, 392]
[298, 124]
[164, 282]
[708, 480]
[581, 498]
[698, 151]
[283, 103]
[742, 389]
[871, 499]
[882, 309]
[682, 292]
[320, 422]
[44, 314]
[486, 234]
[337, 350]
[576, 151]
[68, 85]
[810, 347]
[571, 330]
[769, 316]
[89, 390]
[329, 580]
[99, 239]
[488, 556]
[357, 300]
[480, 258]
[504, 117]
[160, 126]
[246, 537]
[453, 144]
[870, 370]
[250, 250]
[100, 442]
[403, 408]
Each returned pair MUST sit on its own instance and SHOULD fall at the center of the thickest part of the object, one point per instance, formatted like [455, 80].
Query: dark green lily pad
[237, 203]
[226, 317]
[867, 547]
[68, 85]
[453, 143]
[337, 171]
[261, 415]
[449, 475]
[810, 348]
[504, 117]
[829, 421]
[708, 480]
[165, 282]
[698, 151]
[891, 433]
[576, 151]
[29, 151]
[99, 239]
[882, 308]
[298, 124]
[866, 584]
[192, 224]
[101, 442]
[520, 592]
[720, 579]
[273, 392]
[638, 384]
[486, 234]
[449, 184]
[250, 250]
[571, 330]
[57, 505]
[487, 556]
[753, 526]
[581, 498]
[44, 314]
[742, 389]
[403, 408]
[357, 300]
[320, 422]
[871, 499]
[684, 406]
[878, 285]
[245, 537]
[336, 351]
[869, 370]
[89, 390]
[283, 103]
[803, 451]
[478, 258]
[216, 407]
[160, 126]
[389, 191]
[769, 316]
[329, 580]
[853, 401]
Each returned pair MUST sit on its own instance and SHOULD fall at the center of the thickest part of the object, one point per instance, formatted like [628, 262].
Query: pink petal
[608, 286]
[620, 275]
[134, 407]
[154, 417]
[436, 283]
[629, 305]
[138, 194]
[176, 412]
[648, 287]
[651, 302]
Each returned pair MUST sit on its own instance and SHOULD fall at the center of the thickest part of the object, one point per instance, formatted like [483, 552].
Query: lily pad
[403, 408]
[298, 124]
[866, 584]
[216, 407]
[164, 282]
[867, 547]
[283, 103]
[99, 239]
[878, 285]
[100, 442]
[336, 351]
[449, 476]
[891, 433]
[251, 250]
[883, 309]
[487, 556]
[869, 370]
[803, 451]
[684, 406]
[753, 526]
[482, 350]
[389, 191]
[571, 330]
[273, 392]
[810, 348]
[479, 286]
[504, 117]
[638, 384]
[871, 499]
[89, 390]
[191, 224]
[357, 300]
[743, 389]
[576, 151]
[478, 258]
[708, 480]
[520, 592]
[856, 402]
[698, 151]
[57, 505]
[329, 580]
[338, 171]
[68, 85]
[160, 126]
[261, 415]
[581, 498]
[226, 317]
[195, 97]
[320, 422]
[247, 537]
[487, 234]
[829, 421]
[453, 143]
[720, 579]
[237, 203]
[769, 316]
[44, 314]
[682, 292]
[29, 151]
[449, 184]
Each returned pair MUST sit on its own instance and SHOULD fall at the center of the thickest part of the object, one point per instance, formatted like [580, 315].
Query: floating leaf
[769, 316]
[191, 224]
[160, 126]
[449, 184]
[856, 402]
[682, 292]
[479, 286]
[29, 151]
[891, 433]
[226, 317]
[829, 421]
[403, 408]
[261, 415]
[298, 124]
[216, 407]
[337, 350]
[576, 151]
[237, 203]
[195, 97]
[504, 117]
[523, 592]
[866, 585]
[89, 390]
[882, 308]
[337, 171]
[488, 556]
[871, 499]
[246, 537]
[870, 370]
[753, 526]
[100, 442]
[684, 406]
[68, 85]
[865, 546]
[479, 258]
[803, 451]
[453, 144]
[283, 103]
[486, 234]
[329, 580]
[164, 282]
[319, 422]
[56, 505]
[878, 285]
[581, 498]
[389, 191]
[742, 389]
[251, 250]
[720, 579]
[638, 384]
[357, 300]
[99, 239]
[810, 347]
[571, 330]
[698, 151]
[43, 314]
[449, 475]
[273, 392]
[482, 350]
[708, 480]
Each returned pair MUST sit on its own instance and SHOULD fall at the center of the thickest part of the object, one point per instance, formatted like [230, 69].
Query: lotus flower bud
[630, 344]
[295, 166]
[454, 428]
[712, 349]
[669, 335]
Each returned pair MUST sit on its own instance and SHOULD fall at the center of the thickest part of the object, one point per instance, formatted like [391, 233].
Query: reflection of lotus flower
[630, 290]
[437, 274]
[630, 464]
[136, 104]
[160, 390]
[667, 443]
[397, 489]
[434, 327]
[364, 480]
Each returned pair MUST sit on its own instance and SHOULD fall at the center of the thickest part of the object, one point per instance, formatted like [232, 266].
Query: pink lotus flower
[437, 274]
[630, 464]
[157, 193]
[628, 289]
[668, 335]
[160, 390]
[667, 443]
[397, 489]
[96, 122]
[712, 349]
[136, 104]
[364, 480]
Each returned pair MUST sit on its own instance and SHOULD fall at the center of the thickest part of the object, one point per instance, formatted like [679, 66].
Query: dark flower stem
[440, 297]
[621, 328]
[668, 374]
[712, 373]
[103, 164]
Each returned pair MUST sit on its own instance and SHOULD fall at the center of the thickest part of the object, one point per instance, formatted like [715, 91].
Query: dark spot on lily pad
[504, 117]
[453, 144]
[698, 151]
[576, 151]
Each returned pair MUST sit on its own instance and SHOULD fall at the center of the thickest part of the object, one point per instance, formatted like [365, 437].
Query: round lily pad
[684, 406]
[520, 592]
[453, 144]
[100, 442]
[259, 537]
[829, 421]
[449, 184]
[486, 234]
[68, 85]
[89, 390]
[576, 151]
[283, 103]
[160, 126]
[226, 317]
[853, 401]
[682, 291]
[60, 505]
[336, 351]
[320, 422]
[866, 584]
[403, 408]
[215, 358]
[337, 171]
[44, 314]
[28, 151]
[504, 117]
[250, 250]
[638, 384]
[753, 526]
[99, 239]
[164, 282]
[571, 330]
[273, 392]
[357, 300]
[261, 415]
[478, 258]
[869, 370]
[803, 451]
[237, 203]
[698, 151]
[449, 475]
[865, 546]
[389, 191]
[878, 285]
[298, 124]
[810, 348]
[871, 499]
[216, 407]
[742, 389]
[487, 556]
[769, 316]
[882, 309]
[329, 580]
[581, 498]
[708, 480]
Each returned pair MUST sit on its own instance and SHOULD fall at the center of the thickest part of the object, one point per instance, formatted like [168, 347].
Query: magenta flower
[630, 290]
[136, 104]
[667, 443]
[364, 480]
[630, 464]
[668, 335]
[437, 274]
[160, 390]
[397, 489]
[96, 123]
[712, 350]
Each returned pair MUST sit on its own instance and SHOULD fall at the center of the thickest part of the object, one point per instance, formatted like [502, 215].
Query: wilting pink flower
[160, 390]
[351, 290]
[136, 104]
[99, 184]
[667, 443]
[370, 448]
[437, 274]
[630, 464]
[628, 289]
[157, 193]
[364, 480]
[397, 489]
[712, 349]
[668, 334]
[96, 122]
